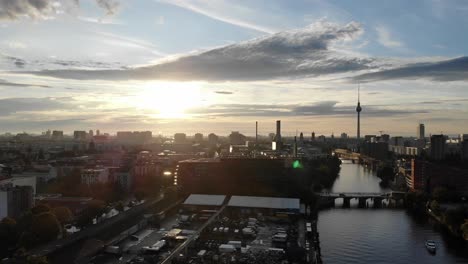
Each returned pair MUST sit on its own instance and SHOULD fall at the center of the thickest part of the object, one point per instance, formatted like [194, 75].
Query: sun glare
[170, 100]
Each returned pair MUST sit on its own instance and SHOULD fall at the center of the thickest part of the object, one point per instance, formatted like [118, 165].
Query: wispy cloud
[46, 9]
[97, 20]
[324, 108]
[223, 92]
[13, 84]
[223, 11]
[446, 70]
[294, 53]
[385, 38]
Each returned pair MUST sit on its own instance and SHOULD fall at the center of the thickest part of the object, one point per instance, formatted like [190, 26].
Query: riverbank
[355, 236]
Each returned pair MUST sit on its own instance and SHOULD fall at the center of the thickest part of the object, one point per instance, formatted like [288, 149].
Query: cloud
[13, 9]
[226, 12]
[43, 9]
[385, 38]
[13, 105]
[223, 92]
[446, 70]
[324, 108]
[111, 6]
[7, 83]
[295, 53]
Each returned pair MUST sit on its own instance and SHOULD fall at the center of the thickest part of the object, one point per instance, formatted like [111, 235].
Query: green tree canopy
[441, 194]
[8, 235]
[464, 229]
[95, 208]
[63, 214]
[45, 227]
[435, 207]
[40, 208]
[455, 217]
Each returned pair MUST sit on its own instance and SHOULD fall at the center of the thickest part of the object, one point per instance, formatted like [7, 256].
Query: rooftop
[264, 202]
[205, 199]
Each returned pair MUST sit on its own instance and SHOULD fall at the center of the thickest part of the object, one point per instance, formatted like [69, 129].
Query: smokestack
[256, 134]
[295, 147]
[278, 130]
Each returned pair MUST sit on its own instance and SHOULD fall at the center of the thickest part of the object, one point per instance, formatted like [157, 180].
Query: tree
[8, 235]
[45, 227]
[36, 260]
[119, 206]
[435, 207]
[464, 229]
[455, 218]
[63, 214]
[386, 173]
[40, 208]
[140, 195]
[440, 194]
[95, 208]
[21, 256]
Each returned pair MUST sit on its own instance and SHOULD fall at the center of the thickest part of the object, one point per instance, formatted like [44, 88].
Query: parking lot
[247, 240]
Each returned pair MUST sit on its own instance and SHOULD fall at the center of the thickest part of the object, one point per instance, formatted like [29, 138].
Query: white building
[24, 179]
[15, 200]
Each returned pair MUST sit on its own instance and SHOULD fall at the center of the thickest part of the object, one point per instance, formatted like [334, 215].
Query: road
[132, 248]
[55, 246]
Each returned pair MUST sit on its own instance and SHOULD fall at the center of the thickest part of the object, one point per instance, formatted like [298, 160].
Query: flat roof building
[264, 202]
[205, 199]
[265, 205]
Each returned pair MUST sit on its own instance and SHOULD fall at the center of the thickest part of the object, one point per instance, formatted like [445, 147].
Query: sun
[170, 100]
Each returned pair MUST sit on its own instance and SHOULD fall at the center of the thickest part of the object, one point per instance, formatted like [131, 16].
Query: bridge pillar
[346, 202]
[377, 202]
[362, 202]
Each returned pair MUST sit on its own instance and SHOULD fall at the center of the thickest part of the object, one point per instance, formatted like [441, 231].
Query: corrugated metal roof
[264, 202]
[205, 199]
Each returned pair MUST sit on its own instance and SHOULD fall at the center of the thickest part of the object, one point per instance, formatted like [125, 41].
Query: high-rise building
[397, 141]
[57, 134]
[421, 131]
[236, 138]
[313, 136]
[438, 147]
[79, 135]
[198, 137]
[91, 133]
[98, 133]
[301, 137]
[212, 139]
[15, 200]
[358, 110]
[464, 149]
[180, 138]
[344, 136]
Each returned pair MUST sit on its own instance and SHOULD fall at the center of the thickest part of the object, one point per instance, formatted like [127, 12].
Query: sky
[218, 66]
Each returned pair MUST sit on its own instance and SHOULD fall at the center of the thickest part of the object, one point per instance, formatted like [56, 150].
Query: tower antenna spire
[359, 92]
[358, 110]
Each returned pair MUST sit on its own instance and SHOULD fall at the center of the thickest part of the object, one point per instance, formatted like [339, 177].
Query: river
[379, 235]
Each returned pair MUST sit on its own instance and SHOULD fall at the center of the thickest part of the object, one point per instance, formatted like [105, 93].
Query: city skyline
[149, 66]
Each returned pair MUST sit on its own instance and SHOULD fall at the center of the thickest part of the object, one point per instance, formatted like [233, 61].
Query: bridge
[347, 154]
[357, 158]
[328, 198]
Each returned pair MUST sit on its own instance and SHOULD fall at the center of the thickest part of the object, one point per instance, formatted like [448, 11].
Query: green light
[297, 164]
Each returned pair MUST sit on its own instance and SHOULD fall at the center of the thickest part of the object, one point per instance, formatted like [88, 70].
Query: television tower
[358, 110]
